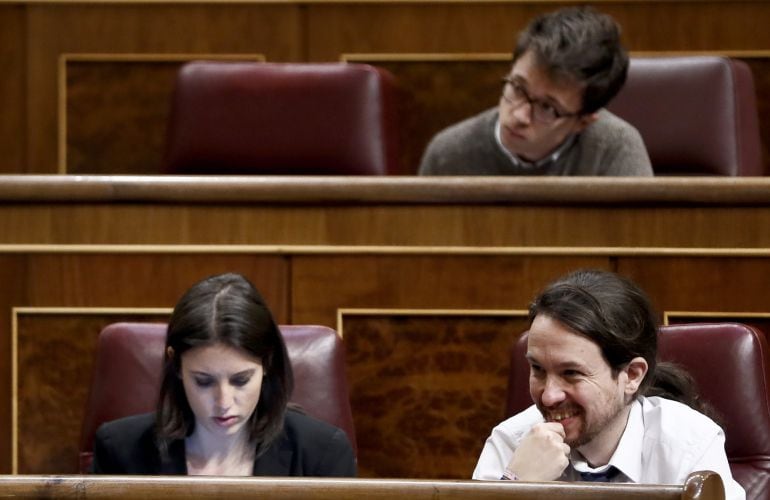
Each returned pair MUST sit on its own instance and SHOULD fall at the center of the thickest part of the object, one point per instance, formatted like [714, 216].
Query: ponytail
[671, 381]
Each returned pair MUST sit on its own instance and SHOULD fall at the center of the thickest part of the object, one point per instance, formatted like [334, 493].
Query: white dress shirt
[662, 443]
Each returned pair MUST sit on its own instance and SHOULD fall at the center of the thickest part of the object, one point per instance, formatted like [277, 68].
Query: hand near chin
[542, 455]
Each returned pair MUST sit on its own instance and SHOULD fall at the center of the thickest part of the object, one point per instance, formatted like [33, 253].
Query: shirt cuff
[509, 475]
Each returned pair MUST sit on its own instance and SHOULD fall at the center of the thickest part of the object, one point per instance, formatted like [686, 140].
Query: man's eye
[547, 109]
[518, 89]
[571, 373]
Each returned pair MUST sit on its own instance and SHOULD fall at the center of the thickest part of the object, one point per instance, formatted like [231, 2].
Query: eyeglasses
[542, 112]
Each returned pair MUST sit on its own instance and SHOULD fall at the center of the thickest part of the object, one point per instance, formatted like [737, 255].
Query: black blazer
[306, 447]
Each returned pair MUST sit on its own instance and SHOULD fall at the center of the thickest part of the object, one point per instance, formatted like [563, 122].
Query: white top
[663, 442]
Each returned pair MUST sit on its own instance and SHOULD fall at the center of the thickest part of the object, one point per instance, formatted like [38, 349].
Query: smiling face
[222, 385]
[572, 383]
[530, 139]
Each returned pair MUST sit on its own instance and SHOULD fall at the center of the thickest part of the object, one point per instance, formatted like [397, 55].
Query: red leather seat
[129, 361]
[289, 118]
[697, 115]
[730, 364]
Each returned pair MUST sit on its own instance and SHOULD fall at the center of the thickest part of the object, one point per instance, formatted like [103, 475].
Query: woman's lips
[226, 421]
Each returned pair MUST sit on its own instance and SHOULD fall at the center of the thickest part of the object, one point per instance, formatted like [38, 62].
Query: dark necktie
[600, 477]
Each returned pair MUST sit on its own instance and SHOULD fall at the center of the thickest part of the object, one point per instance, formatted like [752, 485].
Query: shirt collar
[628, 455]
[519, 162]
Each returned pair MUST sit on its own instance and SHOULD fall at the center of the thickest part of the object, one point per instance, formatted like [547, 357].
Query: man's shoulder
[610, 146]
[611, 128]
[479, 123]
[464, 148]
[675, 421]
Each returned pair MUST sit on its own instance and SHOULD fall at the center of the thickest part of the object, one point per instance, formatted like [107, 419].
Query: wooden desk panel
[320, 246]
[698, 486]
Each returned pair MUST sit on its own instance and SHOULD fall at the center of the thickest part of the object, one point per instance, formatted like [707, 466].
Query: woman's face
[222, 385]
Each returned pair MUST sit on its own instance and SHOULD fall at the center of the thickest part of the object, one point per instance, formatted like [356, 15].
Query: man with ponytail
[605, 409]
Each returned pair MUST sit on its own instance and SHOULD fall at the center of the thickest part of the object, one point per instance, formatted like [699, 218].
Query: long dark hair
[225, 309]
[617, 315]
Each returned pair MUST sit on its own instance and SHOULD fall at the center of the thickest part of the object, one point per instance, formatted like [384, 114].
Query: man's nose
[522, 112]
[553, 393]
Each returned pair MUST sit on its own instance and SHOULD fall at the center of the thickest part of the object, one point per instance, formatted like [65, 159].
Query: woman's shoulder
[322, 449]
[135, 430]
[128, 426]
[126, 446]
[300, 423]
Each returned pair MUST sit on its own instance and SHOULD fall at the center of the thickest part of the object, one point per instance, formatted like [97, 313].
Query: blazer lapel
[276, 461]
[176, 463]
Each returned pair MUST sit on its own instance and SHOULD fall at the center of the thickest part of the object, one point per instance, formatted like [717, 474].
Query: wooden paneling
[323, 284]
[760, 67]
[420, 225]
[456, 27]
[56, 29]
[12, 293]
[12, 88]
[77, 280]
[116, 115]
[55, 354]
[117, 109]
[431, 384]
[716, 285]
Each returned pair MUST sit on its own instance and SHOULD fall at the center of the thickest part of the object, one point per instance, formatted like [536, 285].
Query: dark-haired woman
[223, 400]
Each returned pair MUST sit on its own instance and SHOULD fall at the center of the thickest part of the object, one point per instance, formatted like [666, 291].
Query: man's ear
[636, 370]
[169, 353]
[586, 120]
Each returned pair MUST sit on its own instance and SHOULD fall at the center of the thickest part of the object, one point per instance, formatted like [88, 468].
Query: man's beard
[586, 435]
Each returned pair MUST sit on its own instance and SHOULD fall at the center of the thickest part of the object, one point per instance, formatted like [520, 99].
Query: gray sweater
[609, 146]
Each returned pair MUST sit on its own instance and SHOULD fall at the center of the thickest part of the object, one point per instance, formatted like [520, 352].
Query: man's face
[521, 133]
[571, 383]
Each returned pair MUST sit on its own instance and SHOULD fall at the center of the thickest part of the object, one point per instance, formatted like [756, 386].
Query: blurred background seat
[289, 118]
[697, 115]
[128, 370]
[729, 362]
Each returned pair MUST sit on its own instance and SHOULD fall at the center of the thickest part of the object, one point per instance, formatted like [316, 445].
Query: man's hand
[542, 455]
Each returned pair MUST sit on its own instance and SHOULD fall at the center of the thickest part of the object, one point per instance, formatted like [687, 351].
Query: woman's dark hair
[617, 315]
[225, 309]
[582, 45]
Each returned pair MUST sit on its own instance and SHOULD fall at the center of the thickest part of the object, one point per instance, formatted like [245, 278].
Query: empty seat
[290, 118]
[697, 115]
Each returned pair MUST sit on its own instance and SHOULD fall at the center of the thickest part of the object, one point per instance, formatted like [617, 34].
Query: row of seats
[697, 115]
[728, 361]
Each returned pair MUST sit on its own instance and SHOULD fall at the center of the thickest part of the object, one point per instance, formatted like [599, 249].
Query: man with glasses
[567, 66]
